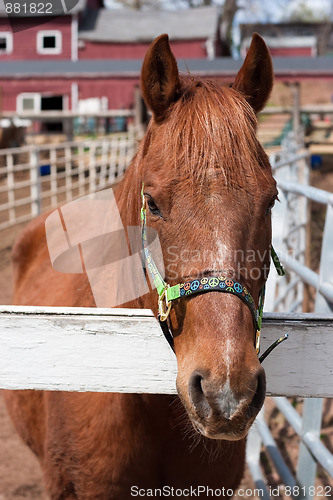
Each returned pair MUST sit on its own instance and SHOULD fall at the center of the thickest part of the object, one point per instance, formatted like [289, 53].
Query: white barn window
[49, 42]
[6, 42]
[28, 102]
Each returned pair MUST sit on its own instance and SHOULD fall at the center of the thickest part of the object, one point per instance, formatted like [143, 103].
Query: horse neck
[128, 196]
[129, 201]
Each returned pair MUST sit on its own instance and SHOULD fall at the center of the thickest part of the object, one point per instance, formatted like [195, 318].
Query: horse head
[209, 191]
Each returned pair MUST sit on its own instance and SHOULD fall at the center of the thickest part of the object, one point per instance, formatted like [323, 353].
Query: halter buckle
[164, 305]
[258, 342]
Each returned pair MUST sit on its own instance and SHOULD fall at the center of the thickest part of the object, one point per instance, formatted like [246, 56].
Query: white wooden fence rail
[123, 350]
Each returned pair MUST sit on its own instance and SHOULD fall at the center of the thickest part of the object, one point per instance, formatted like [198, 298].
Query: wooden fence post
[35, 182]
[11, 187]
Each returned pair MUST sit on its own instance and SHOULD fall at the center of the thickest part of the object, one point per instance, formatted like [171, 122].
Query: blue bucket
[44, 170]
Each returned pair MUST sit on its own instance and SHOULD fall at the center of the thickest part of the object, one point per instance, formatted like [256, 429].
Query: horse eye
[271, 205]
[152, 206]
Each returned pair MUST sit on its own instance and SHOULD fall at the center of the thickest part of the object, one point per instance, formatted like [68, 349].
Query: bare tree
[229, 10]
[140, 4]
[305, 14]
[326, 32]
[162, 4]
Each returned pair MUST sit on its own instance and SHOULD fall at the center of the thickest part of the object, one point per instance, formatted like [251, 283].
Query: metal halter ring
[164, 305]
[258, 341]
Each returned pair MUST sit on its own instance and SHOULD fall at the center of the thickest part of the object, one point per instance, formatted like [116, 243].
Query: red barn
[58, 62]
[291, 39]
[292, 46]
[126, 34]
[48, 36]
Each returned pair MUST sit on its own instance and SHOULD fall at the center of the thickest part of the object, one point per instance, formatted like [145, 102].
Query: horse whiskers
[188, 429]
[178, 411]
[193, 437]
[211, 449]
[182, 421]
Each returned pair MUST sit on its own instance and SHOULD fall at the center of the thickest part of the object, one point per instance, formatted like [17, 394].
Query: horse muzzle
[219, 412]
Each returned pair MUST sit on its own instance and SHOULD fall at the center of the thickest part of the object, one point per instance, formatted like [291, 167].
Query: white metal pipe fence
[291, 240]
[36, 178]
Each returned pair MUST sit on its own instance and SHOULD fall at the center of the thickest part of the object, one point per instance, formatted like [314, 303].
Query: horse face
[209, 191]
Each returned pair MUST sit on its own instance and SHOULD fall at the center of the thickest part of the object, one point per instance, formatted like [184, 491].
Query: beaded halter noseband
[167, 294]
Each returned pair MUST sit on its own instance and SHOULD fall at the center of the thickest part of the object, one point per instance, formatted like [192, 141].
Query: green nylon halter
[167, 294]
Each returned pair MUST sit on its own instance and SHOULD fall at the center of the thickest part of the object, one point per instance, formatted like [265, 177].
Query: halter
[167, 294]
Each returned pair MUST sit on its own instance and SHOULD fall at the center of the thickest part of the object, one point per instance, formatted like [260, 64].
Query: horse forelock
[211, 128]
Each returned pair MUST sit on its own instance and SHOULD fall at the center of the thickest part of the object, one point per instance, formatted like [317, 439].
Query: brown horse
[209, 191]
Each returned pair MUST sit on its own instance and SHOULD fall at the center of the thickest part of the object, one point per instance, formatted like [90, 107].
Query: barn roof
[285, 42]
[285, 30]
[285, 68]
[59, 8]
[122, 25]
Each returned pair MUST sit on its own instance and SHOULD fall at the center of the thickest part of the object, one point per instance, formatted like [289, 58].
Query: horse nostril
[197, 395]
[259, 396]
[209, 401]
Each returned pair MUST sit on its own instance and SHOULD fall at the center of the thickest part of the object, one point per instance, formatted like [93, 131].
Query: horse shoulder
[28, 250]
[36, 282]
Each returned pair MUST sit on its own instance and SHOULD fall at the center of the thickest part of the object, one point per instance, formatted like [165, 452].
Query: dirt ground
[20, 474]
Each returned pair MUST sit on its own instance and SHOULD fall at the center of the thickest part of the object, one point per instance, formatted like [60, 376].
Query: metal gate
[290, 226]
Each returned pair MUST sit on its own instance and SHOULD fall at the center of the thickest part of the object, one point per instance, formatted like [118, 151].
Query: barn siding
[291, 52]
[25, 40]
[119, 91]
[11, 88]
[95, 50]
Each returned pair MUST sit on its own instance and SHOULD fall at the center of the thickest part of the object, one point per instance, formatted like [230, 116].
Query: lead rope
[167, 294]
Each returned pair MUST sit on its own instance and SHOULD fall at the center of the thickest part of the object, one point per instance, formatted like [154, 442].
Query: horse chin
[222, 431]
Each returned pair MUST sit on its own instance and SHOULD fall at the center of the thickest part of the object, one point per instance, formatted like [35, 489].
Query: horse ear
[255, 78]
[159, 77]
